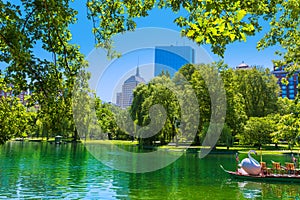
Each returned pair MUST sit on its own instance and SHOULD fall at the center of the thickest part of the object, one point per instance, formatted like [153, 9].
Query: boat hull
[265, 178]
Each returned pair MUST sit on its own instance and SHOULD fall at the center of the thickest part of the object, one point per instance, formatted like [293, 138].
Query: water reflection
[258, 190]
[39, 171]
[132, 161]
[250, 190]
[35, 170]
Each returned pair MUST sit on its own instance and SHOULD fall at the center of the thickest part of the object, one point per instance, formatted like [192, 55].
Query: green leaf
[241, 14]
[232, 36]
[199, 38]
[190, 33]
[213, 31]
[243, 37]
[194, 26]
[222, 28]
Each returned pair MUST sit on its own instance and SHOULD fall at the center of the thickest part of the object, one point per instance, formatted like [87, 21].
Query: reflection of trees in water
[42, 170]
[290, 191]
[257, 190]
[250, 190]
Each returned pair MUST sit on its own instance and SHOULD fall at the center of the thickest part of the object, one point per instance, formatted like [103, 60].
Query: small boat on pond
[264, 177]
[251, 169]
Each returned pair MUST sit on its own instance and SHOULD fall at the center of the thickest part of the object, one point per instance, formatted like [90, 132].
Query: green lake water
[48, 171]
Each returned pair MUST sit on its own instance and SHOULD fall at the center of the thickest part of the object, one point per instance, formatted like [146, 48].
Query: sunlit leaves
[285, 31]
[15, 119]
[214, 22]
[235, 113]
[42, 25]
[217, 23]
[111, 17]
[240, 15]
[288, 129]
[288, 124]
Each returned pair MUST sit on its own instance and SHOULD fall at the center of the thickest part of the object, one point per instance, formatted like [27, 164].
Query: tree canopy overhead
[28, 25]
[208, 22]
[25, 25]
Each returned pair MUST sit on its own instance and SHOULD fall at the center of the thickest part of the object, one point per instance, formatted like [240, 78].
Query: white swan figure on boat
[250, 165]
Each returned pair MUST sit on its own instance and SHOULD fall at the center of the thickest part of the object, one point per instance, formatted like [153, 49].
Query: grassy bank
[115, 142]
[267, 149]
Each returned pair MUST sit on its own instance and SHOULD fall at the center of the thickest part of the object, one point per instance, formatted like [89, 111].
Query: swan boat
[250, 165]
[250, 169]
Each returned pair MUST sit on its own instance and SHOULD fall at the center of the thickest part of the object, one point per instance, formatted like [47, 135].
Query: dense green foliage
[156, 92]
[15, 119]
[259, 91]
[288, 124]
[279, 127]
[44, 26]
[250, 94]
[257, 131]
[106, 115]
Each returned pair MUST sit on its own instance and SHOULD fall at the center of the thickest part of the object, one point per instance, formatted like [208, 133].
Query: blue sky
[111, 80]
[137, 49]
[234, 55]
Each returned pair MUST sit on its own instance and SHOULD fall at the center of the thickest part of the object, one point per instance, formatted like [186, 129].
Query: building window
[284, 92]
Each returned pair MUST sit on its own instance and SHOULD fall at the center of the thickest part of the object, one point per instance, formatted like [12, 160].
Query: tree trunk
[75, 135]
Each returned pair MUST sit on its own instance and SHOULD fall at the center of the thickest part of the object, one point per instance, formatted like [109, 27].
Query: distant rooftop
[243, 66]
[136, 77]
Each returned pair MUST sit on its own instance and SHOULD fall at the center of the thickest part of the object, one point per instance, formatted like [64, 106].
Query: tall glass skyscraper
[172, 58]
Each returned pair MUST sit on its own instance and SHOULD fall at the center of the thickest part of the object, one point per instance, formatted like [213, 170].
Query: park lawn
[266, 149]
[115, 142]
